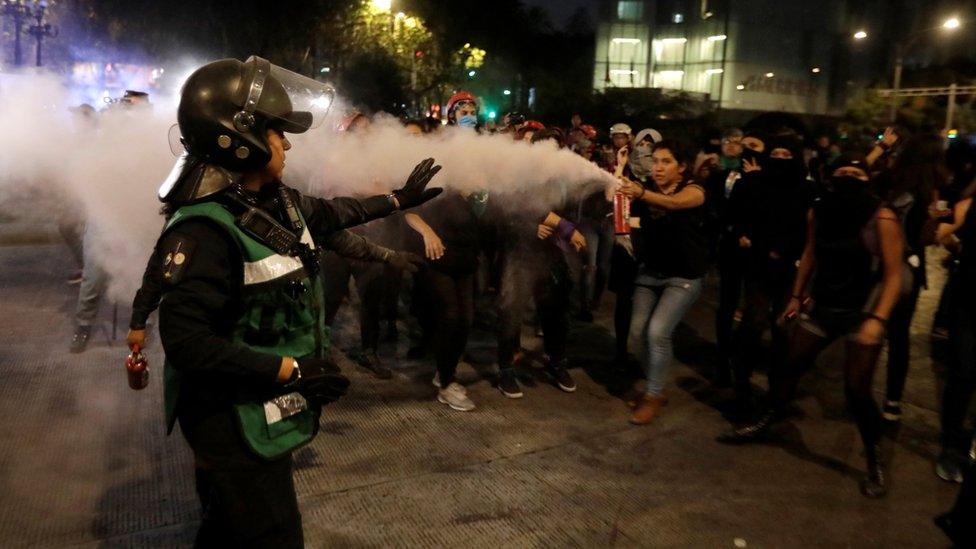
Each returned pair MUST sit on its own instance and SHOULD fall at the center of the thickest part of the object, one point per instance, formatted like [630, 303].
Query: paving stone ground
[85, 460]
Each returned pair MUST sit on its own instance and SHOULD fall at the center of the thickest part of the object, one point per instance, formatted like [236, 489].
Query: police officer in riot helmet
[246, 371]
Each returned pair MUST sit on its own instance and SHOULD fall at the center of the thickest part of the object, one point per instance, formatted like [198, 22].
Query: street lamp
[860, 35]
[948, 25]
[382, 6]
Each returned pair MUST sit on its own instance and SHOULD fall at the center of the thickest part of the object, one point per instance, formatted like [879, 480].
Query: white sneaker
[436, 382]
[455, 396]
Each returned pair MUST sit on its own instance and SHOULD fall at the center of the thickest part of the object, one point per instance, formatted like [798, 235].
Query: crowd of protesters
[804, 240]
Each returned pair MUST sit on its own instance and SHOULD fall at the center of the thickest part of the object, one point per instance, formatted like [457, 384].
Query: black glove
[414, 191]
[319, 381]
[405, 261]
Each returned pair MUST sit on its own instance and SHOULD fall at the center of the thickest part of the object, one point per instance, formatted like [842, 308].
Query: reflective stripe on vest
[274, 266]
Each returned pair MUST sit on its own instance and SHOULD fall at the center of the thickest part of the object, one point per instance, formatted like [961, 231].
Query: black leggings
[805, 344]
[452, 299]
[729, 293]
[899, 343]
[549, 286]
[767, 288]
[372, 282]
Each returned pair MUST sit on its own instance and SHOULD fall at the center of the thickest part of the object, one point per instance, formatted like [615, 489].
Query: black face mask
[753, 156]
[848, 185]
[783, 171]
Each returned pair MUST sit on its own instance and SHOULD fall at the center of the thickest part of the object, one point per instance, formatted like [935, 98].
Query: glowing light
[714, 71]
[667, 74]
[951, 23]
[382, 6]
[716, 38]
[492, 115]
[325, 69]
[860, 35]
[740, 87]
[770, 75]
[953, 134]
[472, 73]
[507, 92]
[626, 40]
[673, 40]
[815, 70]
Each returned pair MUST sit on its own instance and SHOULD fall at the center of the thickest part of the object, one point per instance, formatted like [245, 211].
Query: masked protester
[849, 231]
[462, 110]
[727, 188]
[534, 269]
[773, 228]
[240, 320]
[453, 232]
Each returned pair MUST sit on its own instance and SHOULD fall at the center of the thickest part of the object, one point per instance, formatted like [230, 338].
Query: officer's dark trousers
[452, 299]
[246, 501]
[547, 283]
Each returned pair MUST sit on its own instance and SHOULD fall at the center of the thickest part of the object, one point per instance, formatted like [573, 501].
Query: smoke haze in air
[111, 167]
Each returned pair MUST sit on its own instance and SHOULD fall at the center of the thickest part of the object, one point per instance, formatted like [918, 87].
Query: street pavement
[86, 460]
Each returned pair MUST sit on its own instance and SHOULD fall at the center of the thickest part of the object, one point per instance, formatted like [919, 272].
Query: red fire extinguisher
[621, 213]
[137, 369]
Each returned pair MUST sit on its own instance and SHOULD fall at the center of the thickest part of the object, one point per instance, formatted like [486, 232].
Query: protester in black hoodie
[849, 232]
[773, 234]
[727, 190]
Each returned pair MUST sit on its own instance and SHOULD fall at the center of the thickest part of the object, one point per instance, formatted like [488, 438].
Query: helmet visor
[289, 101]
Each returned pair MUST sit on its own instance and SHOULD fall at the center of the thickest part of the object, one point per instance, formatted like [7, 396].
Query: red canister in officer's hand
[621, 213]
[137, 368]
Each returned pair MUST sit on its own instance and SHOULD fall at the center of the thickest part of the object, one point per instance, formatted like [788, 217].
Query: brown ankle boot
[647, 408]
[634, 400]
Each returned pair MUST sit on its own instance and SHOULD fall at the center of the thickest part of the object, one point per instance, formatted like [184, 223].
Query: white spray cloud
[112, 170]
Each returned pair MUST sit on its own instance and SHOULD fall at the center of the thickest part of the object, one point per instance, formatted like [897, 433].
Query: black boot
[368, 360]
[874, 485]
[752, 432]
[80, 340]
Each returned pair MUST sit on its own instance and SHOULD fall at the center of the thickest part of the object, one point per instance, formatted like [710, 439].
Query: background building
[760, 55]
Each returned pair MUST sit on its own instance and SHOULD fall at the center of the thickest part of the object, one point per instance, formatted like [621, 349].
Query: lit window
[630, 10]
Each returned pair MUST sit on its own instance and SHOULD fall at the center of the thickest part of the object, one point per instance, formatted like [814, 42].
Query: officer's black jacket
[343, 242]
[201, 297]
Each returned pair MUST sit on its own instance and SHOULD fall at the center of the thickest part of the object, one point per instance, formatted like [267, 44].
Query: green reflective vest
[281, 316]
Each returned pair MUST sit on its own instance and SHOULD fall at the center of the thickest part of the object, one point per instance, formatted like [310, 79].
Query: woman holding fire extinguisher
[670, 249]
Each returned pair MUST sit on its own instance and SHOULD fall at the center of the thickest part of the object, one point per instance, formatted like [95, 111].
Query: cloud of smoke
[112, 166]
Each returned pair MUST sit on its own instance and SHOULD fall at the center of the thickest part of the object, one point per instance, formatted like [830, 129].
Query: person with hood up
[849, 233]
[773, 234]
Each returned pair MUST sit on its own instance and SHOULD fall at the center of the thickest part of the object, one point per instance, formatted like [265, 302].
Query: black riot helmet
[226, 108]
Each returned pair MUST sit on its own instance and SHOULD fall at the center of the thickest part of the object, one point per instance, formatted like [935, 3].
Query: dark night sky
[560, 10]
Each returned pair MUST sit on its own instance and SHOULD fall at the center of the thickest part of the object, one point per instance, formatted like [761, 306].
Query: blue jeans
[659, 305]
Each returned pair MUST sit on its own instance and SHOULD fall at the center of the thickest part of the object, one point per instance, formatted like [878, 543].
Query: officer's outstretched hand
[415, 191]
[321, 381]
[406, 261]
